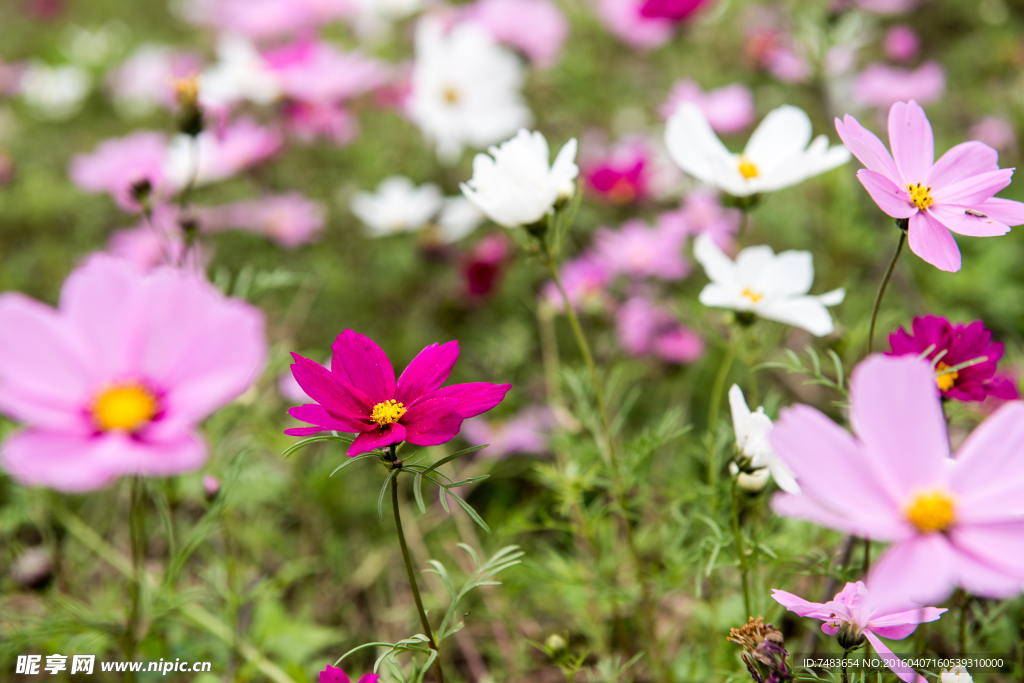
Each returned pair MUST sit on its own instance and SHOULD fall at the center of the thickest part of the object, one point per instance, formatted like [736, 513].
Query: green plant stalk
[846, 678]
[881, 289]
[741, 553]
[661, 670]
[716, 398]
[137, 541]
[424, 622]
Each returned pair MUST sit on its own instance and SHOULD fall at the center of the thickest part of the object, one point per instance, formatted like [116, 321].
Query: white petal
[783, 134]
[740, 414]
[806, 312]
[717, 265]
[693, 145]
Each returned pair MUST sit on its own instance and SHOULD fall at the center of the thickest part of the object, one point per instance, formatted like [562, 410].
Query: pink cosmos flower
[289, 219]
[265, 18]
[359, 394]
[673, 10]
[482, 265]
[901, 43]
[146, 79]
[116, 380]
[996, 132]
[640, 251]
[701, 213]
[623, 19]
[332, 674]
[886, 7]
[950, 346]
[852, 610]
[955, 193]
[524, 432]
[644, 328]
[536, 28]
[622, 175]
[880, 85]
[728, 109]
[788, 65]
[211, 486]
[316, 72]
[221, 153]
[310, 122]
[950, 521]
[585, 279]
[119, 163]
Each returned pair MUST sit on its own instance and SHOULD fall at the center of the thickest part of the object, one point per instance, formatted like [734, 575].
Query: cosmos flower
[316, 72]
[459, 217]
[261, 19]
[673, 10]
[359, 394]
[585, 280]
[957, 674]
[332, 674]
[752, 429]
[54, 92]
[901, 43]
[768, 285]
[288, 219]
[525, 432]
[397, 206]
[949, 345]
[465, 88]
[623, 174]
[220, 154]
[776, 156]
[881, 85]
[536, 28]
[640, 251]
[645, 328]
[116, 380]
[728, 109]
[996, 132]
[516, 184]
[240, 74]
[853, 617]
[954, 193]
[482, 264]
[624, 19]
[146, 79]
[949, 521]
[702, 213]
[119, 164]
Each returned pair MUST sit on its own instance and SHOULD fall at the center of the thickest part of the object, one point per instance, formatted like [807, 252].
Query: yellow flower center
[187, 90]
[748, 169]
[124, 406]
[752, 295]
[946, 380]
[931, 510]
[387, 412]
[920, 195]
[451, 96]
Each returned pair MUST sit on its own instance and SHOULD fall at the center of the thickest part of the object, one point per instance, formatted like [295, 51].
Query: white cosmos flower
[958, 674]
[776, 156]
[397, 206]
[772, 286]
[515, 184]
[240, 74]
[465, 88]
[55, 92]
[752, 430]
[458, 219]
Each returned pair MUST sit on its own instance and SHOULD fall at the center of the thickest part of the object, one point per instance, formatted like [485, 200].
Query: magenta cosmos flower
[332, 674]
[955, 193]
[359, 394]
[951, 521]
[852, 612]
[116, 379]
[957, 344]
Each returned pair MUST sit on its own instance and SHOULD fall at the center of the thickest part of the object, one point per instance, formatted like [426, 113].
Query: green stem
[741, 553]
[424, 622]
[867, 556]
[881, 289]
[716, 398]
[137, 540]
[846, 654]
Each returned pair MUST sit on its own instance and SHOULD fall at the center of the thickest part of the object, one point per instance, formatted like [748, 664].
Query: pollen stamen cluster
[931, 510]
[127, 407]
[748, 169]
[387, 412]
[946, 380]
[920, 195]
[752, 295]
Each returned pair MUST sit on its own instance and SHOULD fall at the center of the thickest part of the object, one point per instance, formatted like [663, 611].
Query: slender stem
[867, 556]
[741, 553]
[716, 399]
[137, 540]
[744, 226]
[964, 601]
[881, 289]
[412, 581]
[846, 654]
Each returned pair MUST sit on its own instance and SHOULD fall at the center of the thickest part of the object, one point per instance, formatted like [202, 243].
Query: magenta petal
[891, 198]
[432, 421]
[315, 414]
[377, 438]
[303, 431]
[342, 400]
[469, 400]
[1005, 211]
[866, 146]
[910, 136]
[962, 161]
[961, 221]
[932, 241]
[332, 674]
[974, 189]
[369, 678]
[427, 371]
[360, 362]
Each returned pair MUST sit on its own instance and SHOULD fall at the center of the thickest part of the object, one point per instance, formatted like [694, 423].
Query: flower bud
[555, 644]
[211, 486]
[850, 636]
[752, 481]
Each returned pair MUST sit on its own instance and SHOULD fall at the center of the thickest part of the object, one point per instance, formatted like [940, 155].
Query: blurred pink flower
[119, 163]
[621, 174]
[211, 486]
[536, 28]
[316, 72]
[309, 122]
[640, 251]
[289, 388]
[146, 79]
[880, 85]
[289, 219]
[623, 19]
[645, 328]
[954, 193]
[886, 7]
[585, 279]
[221, 153]
[996, 132]
[701, 213]
[788, 65]
[525, 432]
[728, 109]
[265, 18]
[116, 380]
[949, 521]
[901, 43]
[852, 611]
[332, 674]
[482, 265]
[673, 10]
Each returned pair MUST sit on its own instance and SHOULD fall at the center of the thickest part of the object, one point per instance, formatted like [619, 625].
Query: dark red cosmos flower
[359, 394]
[332, 674]
[674, 10]
[957, 344]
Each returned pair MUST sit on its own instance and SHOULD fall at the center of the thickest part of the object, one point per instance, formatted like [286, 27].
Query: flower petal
[920, 569]
[469, 400]
[338, 398]
[433, 421]
[910, 136]
[783, 134]
[891, 198]
[360, 362]
[798, 605]
[866, 146]
[932, 241]
[806, 312]
[719, 267]
[974, 189]
[393, 433]
[427, 371]
[962, 161]
[897, 665]
[1005, 211]
[315, 414]
[957, 219]
[790, 273]
[693, 145]
[990, 557]
[988, 472]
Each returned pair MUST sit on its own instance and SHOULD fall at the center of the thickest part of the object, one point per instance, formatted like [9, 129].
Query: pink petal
[910, 136]
[804, 608]
[314, 414]
[989, 558]
[896, 412]
[866, 146]
[900, 625]
[469, 400]
[974, 189]
[369, 678]
[427, 371]
[988, 472]
[962, 161]
[900, 668]
[957, 219]
[432, 421]
[359, 361]
[890, 197]
[378, 438]
[920, 569]
[340, 399]
[1004, 211]
[932, 241]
